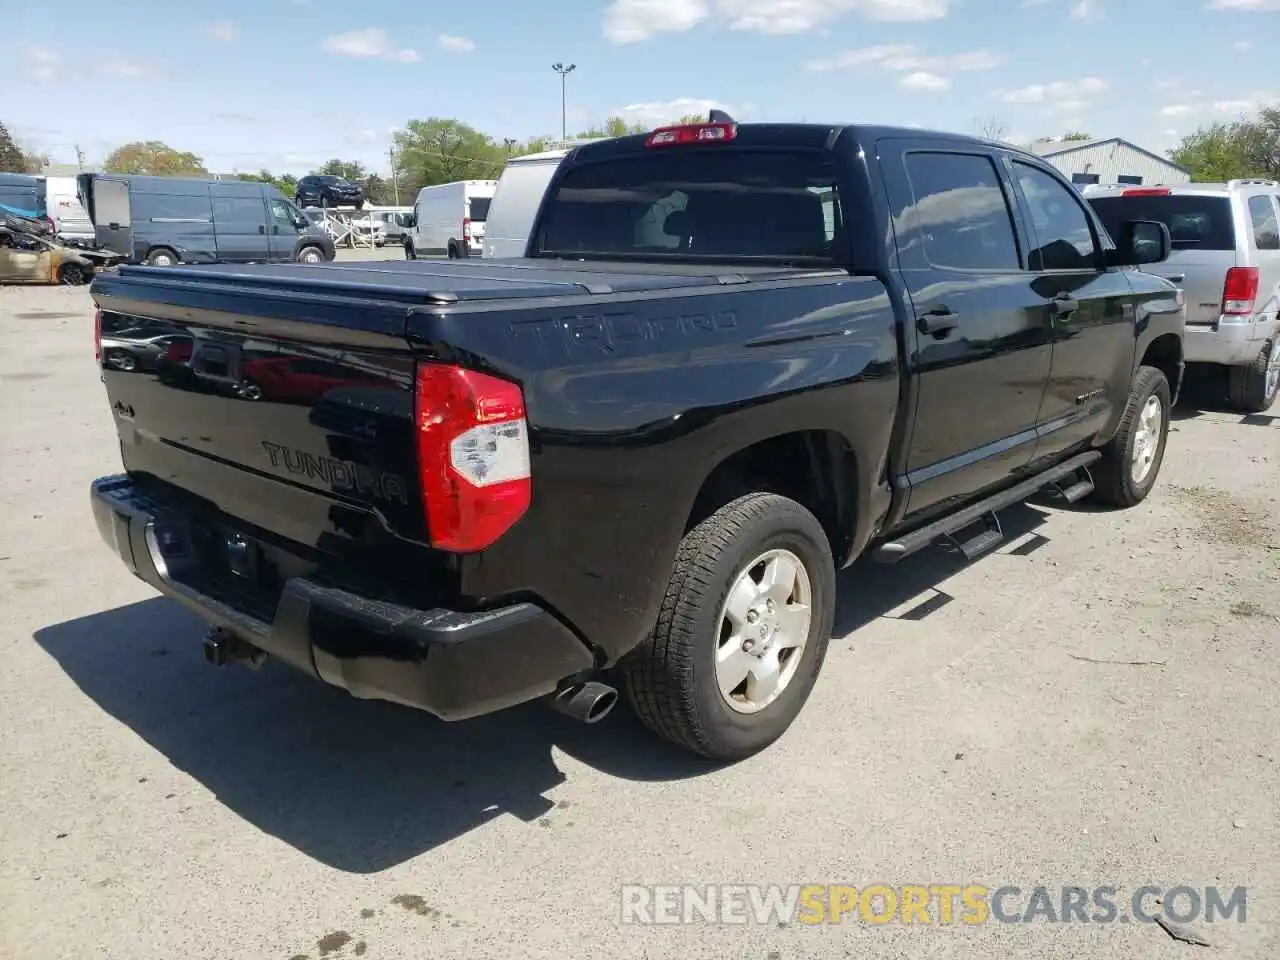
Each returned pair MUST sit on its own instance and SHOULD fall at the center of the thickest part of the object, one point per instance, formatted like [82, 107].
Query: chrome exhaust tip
[589, 702]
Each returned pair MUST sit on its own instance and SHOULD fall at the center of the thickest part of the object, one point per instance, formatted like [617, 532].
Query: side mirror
[1141, 242]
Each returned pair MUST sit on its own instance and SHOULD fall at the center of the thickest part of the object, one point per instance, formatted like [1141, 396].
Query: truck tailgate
[285, 408]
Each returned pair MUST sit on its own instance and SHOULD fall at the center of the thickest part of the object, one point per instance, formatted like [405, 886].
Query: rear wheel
[1131, 461]
[1253, 388]
[162, 257]
[453, 251]
[743, 630]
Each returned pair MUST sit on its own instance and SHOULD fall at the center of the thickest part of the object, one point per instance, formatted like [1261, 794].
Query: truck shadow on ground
[362, 786]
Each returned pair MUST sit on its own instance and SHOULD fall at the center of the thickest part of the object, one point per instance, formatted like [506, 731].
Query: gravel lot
[154, 807]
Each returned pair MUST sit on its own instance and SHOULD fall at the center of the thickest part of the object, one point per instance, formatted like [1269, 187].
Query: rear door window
[1194, 222]
[713, 203]
[1262, 215]
[960, 216]
[479, 207]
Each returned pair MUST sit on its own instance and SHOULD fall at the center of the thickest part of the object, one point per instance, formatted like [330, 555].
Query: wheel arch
[817, 468]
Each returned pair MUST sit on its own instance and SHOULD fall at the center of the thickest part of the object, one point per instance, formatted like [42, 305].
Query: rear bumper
[452, 664]
[1228, 343]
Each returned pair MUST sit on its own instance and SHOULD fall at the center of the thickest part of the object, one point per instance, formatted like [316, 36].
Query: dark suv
[319, 190]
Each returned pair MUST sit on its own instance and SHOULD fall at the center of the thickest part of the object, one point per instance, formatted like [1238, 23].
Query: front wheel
[72, 275]
[310, 255]
[742, 632]
[409, 252]
[1131, 460]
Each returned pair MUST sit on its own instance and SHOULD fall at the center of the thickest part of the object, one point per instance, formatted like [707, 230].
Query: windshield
[1194, 222]
[697, 203]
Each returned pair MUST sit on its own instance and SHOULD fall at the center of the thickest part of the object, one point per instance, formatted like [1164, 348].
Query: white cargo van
[449, 218]
[515, 203]
[70, 220]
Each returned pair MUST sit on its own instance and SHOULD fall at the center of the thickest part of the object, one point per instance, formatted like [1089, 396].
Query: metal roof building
[1109, 161]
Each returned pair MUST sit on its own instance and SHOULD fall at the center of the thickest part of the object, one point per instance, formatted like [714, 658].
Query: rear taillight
[692, 133]
[466, 229]
[97, 335]
[177, 352]
[473, 456]
[1240, 291]
[1146, 192]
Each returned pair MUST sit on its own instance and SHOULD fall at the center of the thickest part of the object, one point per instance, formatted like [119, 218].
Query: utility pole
[510, 142]
[79, 158]
[564, 70]
[395, 180]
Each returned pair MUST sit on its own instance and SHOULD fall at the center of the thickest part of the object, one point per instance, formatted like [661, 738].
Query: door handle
[1064, 305]
[937, 323]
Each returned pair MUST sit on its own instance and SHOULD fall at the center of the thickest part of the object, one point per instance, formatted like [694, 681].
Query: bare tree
[991, 128]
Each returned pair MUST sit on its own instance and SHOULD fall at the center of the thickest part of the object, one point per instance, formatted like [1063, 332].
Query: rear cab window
[766, 204]
[1195, 222]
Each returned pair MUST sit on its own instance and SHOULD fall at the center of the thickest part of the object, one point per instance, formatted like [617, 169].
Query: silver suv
[1226, 257]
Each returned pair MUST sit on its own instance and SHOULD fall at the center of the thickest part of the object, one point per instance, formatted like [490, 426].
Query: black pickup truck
[735, 359]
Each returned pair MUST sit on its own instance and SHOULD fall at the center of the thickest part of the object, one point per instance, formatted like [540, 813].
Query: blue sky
[287, 84]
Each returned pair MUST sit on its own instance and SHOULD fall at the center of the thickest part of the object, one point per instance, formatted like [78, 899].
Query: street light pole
[564, 70]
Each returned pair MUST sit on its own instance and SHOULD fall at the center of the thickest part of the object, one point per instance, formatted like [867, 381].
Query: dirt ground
[1095, 704]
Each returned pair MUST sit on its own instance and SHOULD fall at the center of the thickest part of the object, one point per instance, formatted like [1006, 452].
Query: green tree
[1239, 149]
[442, 150]
[13, 159]
[286, 183]
[613, 127]
[346, 169]
[153, 158]
[1075, 135]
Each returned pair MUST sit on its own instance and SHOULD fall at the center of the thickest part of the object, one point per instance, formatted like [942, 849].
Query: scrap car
[30, 258]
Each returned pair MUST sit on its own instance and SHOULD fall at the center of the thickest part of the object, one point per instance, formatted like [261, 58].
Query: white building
[1109, 161]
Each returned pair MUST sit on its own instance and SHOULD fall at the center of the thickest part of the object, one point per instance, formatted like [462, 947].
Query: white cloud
[1253, 5]
[1057, 92]
[370, 43]
[42, 62]
[906, 57]
[1242, 45]
[1249, 104]
[455, 44]
[630, 21]
[129, 68]
[925, 81]
[223, 30]
[1086, 10]
[667, 111]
